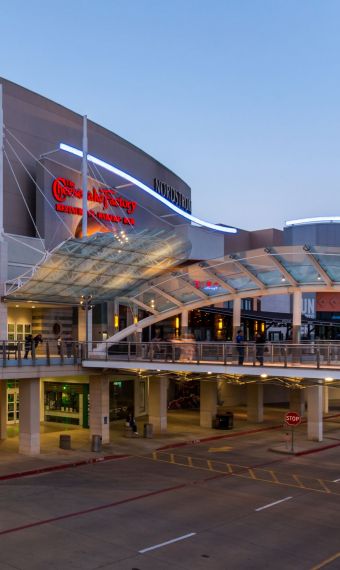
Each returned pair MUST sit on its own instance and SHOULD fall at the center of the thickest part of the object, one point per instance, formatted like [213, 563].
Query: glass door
[12, 404]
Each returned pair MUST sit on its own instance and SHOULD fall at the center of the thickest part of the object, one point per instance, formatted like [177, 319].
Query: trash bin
[65, 442]
[224, 421]
[96, 443]
[148, 430]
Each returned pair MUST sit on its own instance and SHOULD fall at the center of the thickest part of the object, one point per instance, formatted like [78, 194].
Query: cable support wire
[24, 199]
[34, 181]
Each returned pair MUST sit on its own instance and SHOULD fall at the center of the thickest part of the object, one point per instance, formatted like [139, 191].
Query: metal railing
[49, 352]
[304, 355]
[320, 354]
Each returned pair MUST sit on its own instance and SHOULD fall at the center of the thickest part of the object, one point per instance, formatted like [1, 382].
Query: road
[148, 512]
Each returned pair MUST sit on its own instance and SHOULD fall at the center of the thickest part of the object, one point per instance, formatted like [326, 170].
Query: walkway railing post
[129, 351]
[151, 352]
[19, 354]
[4, 361]
[318, 357]
[328, 354]
[224, 354]
[285, 356]
[61, 353]
[48, 359]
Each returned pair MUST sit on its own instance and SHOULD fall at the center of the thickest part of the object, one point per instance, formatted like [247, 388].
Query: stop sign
[292, 419]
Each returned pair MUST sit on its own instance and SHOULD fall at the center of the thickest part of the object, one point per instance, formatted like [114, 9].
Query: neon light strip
[313, 220]
[136, 182]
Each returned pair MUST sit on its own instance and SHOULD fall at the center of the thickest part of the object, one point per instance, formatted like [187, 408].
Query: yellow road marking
[326, 562]
[219, 449]
[246, 472]
[322, 483]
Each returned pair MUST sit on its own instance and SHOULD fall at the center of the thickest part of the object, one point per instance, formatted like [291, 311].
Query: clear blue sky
[241, 98]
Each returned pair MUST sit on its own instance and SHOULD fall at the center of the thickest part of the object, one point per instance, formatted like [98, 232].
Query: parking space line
[166, 543]
[273, 504]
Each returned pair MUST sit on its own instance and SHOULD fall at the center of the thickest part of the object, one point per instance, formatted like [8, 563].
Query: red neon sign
[63, 188]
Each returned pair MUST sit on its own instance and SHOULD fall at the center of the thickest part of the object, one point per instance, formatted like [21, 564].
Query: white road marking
[272, 504]
[336, 480]
[166, 543]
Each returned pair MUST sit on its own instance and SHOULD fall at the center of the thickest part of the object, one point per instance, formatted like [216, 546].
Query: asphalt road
[264, 511]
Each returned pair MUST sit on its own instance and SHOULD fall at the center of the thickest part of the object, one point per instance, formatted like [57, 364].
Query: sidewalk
[183, 429]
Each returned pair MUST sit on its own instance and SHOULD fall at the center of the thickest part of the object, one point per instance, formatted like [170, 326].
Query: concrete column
[184, 322]
[208, 403]
[140, 402]
[3, 321]
[100, 407]
[255, 403]
[29, 421]
[82, 325]
[228, 394]
[3, 409]
[325, 400]
[158, 403]
[297, 309]
[42, 401]
[236, 317]
[314, 413]
[297, 401]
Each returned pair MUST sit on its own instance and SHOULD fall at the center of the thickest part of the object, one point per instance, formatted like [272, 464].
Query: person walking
[240, 347]
[259, 342]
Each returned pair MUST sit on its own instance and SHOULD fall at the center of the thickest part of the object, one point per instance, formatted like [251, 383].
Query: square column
[3, 321]
[236, 317]
[255, 403]
[208, 403]
[100, 407]
[29, 420]
[325, 400]
[297, 310]
[158, 403]
[184, 322]
[82, 325]
[297, 401]
[3, 409]
[314, 413]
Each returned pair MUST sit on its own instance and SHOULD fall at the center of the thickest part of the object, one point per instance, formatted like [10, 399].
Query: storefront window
[63, 403]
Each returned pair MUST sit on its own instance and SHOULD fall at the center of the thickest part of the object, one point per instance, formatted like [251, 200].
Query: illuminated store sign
[63, 188]
[207, 285]
[172, 195]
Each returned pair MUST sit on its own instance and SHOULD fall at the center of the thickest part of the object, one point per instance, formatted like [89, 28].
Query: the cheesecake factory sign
[112, 207]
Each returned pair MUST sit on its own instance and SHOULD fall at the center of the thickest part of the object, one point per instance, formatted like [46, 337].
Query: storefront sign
[172, 195]
[63, 188]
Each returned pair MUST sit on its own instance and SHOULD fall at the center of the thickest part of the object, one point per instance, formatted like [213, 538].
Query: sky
[240, 98]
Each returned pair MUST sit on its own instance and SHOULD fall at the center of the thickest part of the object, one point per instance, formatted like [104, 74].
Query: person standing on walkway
[240, 347]
[259, 342]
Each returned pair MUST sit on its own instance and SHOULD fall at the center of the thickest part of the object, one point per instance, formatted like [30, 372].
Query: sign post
[292, 419]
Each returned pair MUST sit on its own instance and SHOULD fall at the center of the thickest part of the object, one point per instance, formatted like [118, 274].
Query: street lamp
[86, 305]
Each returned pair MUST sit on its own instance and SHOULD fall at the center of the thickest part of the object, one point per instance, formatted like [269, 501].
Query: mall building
[144, 267]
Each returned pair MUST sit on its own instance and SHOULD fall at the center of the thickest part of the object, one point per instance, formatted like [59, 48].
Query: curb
[60, 467]
[316, 450]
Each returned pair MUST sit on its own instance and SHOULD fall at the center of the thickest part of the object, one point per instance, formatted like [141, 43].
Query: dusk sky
[241, 98]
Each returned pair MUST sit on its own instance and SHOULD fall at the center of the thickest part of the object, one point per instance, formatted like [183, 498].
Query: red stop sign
[292, 419]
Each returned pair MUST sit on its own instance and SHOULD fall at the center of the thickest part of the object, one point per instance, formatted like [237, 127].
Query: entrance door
[12, 405]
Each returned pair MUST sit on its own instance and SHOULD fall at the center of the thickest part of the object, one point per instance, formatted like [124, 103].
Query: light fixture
[33, 306]
[319, 278]
[17, 306]
[318, 220]
[283, 279]
[209, 372]
[329, 379]
[264, 375]
[142, 186]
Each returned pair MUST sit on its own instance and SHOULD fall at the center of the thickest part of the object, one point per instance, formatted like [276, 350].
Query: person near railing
[28, 345]
[240, 347]
[260, 344]
[188, 346]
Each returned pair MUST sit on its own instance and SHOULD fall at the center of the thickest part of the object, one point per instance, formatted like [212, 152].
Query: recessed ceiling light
[329, 379]
[264, 375]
